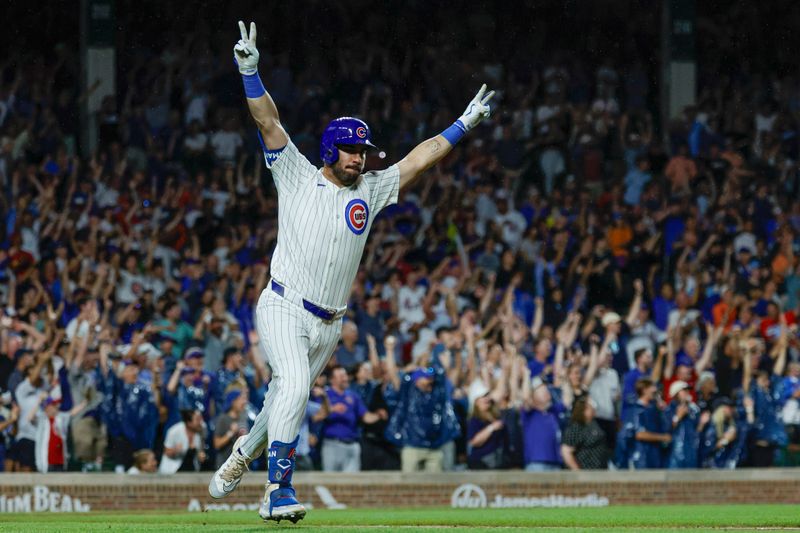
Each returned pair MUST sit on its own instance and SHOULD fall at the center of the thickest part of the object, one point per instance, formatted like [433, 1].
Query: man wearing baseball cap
[684, 417]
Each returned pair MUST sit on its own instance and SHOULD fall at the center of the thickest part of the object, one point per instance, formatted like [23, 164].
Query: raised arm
[711, 341]
[538, 317]
[673, 339]
[594, 364]
[374, 360]
[391, 375]
[781, 347]
[428, 153]
[747, 371]
[262, 107]
[633, 312]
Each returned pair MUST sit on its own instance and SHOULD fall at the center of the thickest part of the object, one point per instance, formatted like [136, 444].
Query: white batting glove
[477, 110]
[245, 52]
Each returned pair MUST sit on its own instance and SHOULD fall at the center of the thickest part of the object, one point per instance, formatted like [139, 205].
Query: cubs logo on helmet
[361, 132]
[356, 214]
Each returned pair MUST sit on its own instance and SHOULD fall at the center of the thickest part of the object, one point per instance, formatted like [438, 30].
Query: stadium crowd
[568, 289]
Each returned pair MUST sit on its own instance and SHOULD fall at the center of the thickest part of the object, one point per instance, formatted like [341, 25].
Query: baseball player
[324, 218]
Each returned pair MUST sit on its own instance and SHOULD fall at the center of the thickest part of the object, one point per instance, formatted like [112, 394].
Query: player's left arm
[430, 152]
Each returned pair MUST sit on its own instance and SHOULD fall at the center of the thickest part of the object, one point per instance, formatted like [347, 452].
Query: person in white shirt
[226, 142]
[410, 297]
[183, 445]
[511, 221]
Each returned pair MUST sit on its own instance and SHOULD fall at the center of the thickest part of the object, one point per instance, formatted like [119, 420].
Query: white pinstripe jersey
[322, 228]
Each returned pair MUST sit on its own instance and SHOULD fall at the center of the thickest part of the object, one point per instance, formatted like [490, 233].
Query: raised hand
[371, 344]
[477, 110]
[245, 52]
[638, 286]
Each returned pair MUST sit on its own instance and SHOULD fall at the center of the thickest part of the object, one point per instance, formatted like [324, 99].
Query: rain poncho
[129, 411]
[422, 419]
[767, 404]
[685, 438]
[631, 453]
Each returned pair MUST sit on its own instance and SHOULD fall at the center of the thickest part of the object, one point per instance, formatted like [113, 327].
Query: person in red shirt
[55, 447]
[771, 326]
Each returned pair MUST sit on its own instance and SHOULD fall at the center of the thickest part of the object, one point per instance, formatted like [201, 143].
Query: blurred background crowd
[577, 285]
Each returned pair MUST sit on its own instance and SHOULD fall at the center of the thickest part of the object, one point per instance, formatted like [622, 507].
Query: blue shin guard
[281, 462]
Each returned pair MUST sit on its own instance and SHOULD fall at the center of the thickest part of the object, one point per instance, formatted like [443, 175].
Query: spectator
[144, 462]
[604, 390]
[541, 431]
[341, 450]
[230, 424]
[377, 453]
[128, 408]
[707, 391]
[767, 393]
[232, 376]
[190, 387]
[685, 419]
[583, 446]
[371, 321]
[183, 445]
[680, 171]
[423, 420]
[643, 359]
[23, 359]
[644, 431]
[487, 435]
[719, 445]
[89, 437]
[8, 418]
[52, 429]
[349, 353]
[29, 394]
[636, 179]
[172, 326]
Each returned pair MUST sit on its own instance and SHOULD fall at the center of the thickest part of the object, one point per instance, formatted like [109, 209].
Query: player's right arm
[261, 105]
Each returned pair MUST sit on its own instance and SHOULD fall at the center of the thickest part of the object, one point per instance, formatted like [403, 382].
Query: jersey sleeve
[384, 187]
[289, 167]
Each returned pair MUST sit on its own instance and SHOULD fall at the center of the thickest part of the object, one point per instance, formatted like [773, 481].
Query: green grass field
[639, 518]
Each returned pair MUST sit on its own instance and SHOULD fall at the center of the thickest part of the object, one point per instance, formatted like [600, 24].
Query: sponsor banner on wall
[471, 496]
[102, 492]
[42, 499]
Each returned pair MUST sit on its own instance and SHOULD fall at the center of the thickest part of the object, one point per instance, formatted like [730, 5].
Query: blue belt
[317, 311]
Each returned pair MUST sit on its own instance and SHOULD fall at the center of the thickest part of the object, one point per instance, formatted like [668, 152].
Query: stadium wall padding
[76, 492]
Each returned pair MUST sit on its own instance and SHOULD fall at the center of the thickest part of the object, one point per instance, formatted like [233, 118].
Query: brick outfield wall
[118, 492]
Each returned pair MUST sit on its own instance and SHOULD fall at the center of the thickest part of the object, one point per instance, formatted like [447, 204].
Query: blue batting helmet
[343, 130]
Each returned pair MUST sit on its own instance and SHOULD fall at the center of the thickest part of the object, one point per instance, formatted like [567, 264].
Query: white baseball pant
[298, 346]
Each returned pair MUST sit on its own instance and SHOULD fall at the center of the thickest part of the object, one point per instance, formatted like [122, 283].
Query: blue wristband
[454, 133]
[253, 88]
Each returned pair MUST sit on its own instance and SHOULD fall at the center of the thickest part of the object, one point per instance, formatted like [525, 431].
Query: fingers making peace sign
[245, 52]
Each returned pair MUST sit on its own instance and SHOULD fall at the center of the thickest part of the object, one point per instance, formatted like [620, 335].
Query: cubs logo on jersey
[361, 132]
[356, 215]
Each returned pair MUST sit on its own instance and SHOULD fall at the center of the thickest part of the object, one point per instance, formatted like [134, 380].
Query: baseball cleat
[279, 503]
[228, 476]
